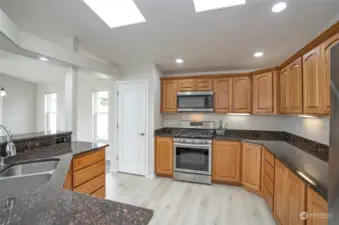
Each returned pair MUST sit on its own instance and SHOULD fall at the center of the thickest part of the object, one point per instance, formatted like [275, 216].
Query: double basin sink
[21, 177]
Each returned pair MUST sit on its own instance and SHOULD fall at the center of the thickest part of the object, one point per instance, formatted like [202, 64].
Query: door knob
[142, 134]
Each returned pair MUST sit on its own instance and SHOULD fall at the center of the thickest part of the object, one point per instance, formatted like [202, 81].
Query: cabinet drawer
[269, 184]
[88, 159]
[203, 85]
[267, 197]
[100, 193]
[91, 185]
[269, 170]
[88, 173]
[269, 158]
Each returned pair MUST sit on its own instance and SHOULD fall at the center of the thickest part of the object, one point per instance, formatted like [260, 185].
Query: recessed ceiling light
[278, 7]
[205, 5]
[43, 59]
[116, 13]
[179, 61]
[258, 54]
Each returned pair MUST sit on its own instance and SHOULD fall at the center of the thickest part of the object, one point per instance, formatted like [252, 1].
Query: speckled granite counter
[298, 154]
[50, 204]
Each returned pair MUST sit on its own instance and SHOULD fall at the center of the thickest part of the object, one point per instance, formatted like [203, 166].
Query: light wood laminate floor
[181, 203]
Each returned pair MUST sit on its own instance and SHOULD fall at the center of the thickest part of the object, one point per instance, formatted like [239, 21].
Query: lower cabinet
[290, 196]
[226, 162]
[251, 166]
[87, 174]
[316, 205]
[164, 156]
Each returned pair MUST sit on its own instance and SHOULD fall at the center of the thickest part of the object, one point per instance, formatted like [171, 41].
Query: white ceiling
[222, 39]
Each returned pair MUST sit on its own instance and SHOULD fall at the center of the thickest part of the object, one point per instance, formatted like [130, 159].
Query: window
[51, 111]
[100, 115]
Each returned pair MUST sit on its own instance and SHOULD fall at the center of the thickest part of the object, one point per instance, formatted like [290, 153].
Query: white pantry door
[132, 128]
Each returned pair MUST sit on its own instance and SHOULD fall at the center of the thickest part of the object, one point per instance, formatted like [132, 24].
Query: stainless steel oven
[197, 101]
[192, 160]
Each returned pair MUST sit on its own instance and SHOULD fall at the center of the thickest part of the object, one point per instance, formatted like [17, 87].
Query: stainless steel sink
[9, 186]
[30, 168]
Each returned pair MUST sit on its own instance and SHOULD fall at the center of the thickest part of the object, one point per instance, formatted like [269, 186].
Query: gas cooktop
[195, 133]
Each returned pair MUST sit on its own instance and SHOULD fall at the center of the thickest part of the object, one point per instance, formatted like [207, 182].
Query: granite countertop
[21, 137]
[299, 156]
[51, 204]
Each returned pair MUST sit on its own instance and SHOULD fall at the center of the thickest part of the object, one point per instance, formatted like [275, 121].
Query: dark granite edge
[169, 132]
[55, 184]
[17, 138]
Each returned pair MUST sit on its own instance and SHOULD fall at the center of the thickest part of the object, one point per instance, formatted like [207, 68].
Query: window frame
[48, 111]
[95, 114]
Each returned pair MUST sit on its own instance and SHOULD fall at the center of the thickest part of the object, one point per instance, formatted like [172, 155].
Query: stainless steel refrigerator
[333, 167]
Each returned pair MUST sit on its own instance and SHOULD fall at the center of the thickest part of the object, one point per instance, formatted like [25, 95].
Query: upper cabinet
[204, 84]
[223, 95]
[313, 82]
[242, 94]
[291, 88]
[169, 95]
[284, 88]
[326, 53]
[295, 87]
[264, 93]
[186, 85]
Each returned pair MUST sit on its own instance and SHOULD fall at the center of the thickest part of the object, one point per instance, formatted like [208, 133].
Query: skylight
[116, 13]
[205, 5]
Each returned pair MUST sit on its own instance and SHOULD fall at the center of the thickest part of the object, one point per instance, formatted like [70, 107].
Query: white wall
[316, 129]
[18, 107]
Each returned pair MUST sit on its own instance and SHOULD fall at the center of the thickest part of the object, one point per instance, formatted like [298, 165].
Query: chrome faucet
[10, 147]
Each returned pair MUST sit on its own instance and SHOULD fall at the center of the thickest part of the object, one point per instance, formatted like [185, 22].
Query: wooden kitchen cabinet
[169, 95]
[223, 95]
[295, 87]
[263, 93]
[242, 94]
[296, 199]
[280, 193]
[87, 173]
[316, 204]
[186, 85]
[313, 82]
[205, 84]
[267, 178]
[164, 156]
[326, 54]
[226, 161]
[251, 166]
[291, 88]
[284, 87]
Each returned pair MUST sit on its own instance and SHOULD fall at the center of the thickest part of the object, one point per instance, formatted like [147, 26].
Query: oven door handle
[207, 146]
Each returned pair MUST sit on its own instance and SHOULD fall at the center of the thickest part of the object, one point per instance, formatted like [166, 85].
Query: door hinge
[117, 157]
[117, 125]
[117, 93]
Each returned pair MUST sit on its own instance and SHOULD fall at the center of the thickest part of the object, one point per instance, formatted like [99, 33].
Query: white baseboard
[150, 175]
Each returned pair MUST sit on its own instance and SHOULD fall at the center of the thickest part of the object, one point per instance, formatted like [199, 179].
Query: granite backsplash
[29, 141]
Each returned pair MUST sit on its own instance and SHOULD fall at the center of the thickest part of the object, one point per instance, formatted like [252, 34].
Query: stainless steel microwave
[197, 101]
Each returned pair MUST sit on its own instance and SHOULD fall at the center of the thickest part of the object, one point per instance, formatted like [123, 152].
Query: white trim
[145, 81]
[150, 176]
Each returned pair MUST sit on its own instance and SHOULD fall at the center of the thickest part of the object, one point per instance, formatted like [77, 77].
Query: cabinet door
[164, 156]
[68, 184]
[296, 199]
[242, 94]
[326, 50]
[203, 85]
[169, 96]
[295, 87]
[284, 91]
[263, 93]
[251, 166]
[223, 95]
[186, 85]
[226, 161]
[280, 192]
[313, 81]
[316, 204]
